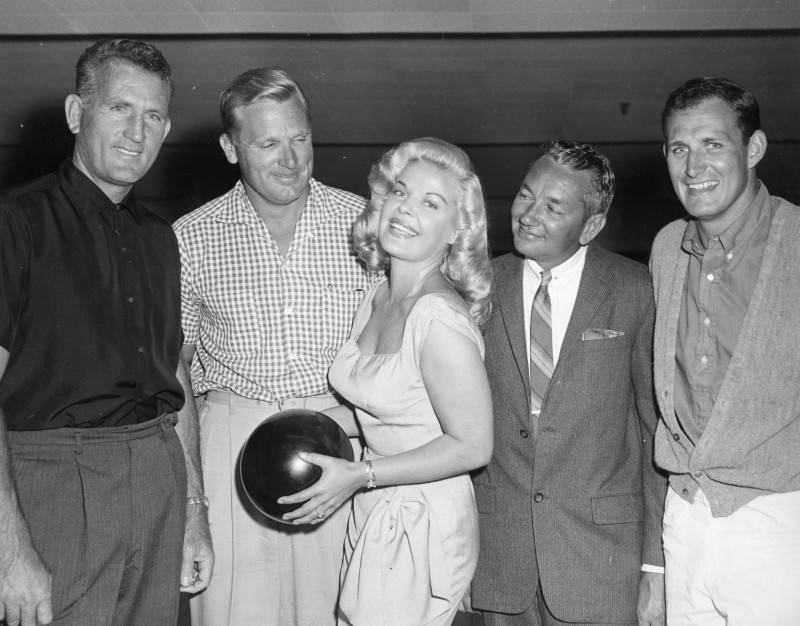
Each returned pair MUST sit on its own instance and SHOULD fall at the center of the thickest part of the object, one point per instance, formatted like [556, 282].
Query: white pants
[265, 573]
[740, 570]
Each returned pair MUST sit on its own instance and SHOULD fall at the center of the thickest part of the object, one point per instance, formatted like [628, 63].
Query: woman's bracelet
[369, 473]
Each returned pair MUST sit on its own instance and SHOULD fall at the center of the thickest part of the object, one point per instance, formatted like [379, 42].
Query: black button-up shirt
[89, 307]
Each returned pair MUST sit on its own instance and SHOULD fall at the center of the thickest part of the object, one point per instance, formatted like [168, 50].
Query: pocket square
[600, 333]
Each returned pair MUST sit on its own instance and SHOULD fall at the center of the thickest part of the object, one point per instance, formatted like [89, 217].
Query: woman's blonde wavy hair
[466, 263]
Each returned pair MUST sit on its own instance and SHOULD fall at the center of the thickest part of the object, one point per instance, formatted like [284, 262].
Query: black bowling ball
[269, 466]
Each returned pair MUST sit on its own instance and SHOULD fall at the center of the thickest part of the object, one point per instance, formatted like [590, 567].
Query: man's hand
[198, 555]
[650, 608]
[25, 584]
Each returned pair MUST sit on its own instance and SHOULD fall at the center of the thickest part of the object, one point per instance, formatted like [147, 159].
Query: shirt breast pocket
[341, 296]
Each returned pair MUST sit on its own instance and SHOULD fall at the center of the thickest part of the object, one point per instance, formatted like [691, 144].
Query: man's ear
[167, 127]
[73, 108]
[756, 148]
[228, 148]
[592, 228]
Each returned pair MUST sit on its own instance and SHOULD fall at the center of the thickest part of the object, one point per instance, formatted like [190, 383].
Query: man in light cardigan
[727, 368]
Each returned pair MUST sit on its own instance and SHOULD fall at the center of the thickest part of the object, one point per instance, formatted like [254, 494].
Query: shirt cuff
[653, 569]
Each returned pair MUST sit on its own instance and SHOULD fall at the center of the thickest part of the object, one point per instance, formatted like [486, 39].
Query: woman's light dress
[410, 550]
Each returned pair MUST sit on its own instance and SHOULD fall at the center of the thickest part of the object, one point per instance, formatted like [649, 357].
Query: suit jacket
[749, 445]
[579, 504]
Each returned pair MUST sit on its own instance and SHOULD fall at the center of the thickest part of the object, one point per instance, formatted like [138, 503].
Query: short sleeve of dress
[439, 309]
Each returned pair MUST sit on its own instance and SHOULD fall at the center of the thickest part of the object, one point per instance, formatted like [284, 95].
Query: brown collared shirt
[720, 279]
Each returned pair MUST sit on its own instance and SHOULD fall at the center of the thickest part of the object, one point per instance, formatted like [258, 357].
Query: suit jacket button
[538, 497]
[524, 434]
[676, 436]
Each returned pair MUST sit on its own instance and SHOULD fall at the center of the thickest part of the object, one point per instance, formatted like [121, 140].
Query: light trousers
[739, 570]
[265, 573]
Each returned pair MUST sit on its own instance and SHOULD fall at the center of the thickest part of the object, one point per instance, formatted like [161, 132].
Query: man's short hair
[583, 157]
[260, 83]
[697, 90]
[139, 53]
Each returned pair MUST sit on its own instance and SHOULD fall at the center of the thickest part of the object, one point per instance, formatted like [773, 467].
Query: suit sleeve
[654, 483]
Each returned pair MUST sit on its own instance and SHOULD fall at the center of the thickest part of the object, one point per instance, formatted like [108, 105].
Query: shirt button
[288, 310]
[292, 356]
[538, 497]
[665, 393]
[707, 321]
[685, 492]
[697, 474]
[704, 359]
[676, 436]
[729, 256]
[710, 278]
[140, 349]
[524, 433]
[130, 299]
[124, 249]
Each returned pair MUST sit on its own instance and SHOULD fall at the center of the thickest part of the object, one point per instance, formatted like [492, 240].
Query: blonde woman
[413, 368]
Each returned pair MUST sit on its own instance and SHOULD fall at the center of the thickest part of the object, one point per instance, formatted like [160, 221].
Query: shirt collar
[736, 234]
[87, 198]
[567, 269]
[239, 210]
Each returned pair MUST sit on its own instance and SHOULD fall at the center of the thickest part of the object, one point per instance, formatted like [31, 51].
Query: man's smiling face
[710, 164]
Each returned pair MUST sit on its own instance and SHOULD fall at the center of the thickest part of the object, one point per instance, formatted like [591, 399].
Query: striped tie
[541, 356]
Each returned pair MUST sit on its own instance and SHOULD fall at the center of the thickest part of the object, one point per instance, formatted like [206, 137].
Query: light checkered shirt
[264, 326]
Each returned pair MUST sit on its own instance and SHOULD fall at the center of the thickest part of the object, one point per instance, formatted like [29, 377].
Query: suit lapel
[509, 301]
[592, 290]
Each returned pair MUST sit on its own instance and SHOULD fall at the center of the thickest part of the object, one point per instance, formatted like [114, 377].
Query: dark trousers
[106, 508]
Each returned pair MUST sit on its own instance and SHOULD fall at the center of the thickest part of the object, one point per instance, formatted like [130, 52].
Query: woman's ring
[319, 515]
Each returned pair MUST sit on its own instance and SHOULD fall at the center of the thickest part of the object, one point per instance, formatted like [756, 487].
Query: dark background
[498, 78]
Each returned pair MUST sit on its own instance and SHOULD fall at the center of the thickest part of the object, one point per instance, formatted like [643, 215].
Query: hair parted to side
[583, 157]
[696, 90]
[139, 53]
[260, 83]
[466, 263]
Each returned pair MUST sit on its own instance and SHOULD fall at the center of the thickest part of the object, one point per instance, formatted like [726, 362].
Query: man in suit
[571, 503]
[727, 368]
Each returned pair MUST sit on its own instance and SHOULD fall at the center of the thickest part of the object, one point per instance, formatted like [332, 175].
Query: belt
[234, 400]
[84, 436]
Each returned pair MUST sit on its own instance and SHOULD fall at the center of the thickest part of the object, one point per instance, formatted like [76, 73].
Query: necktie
[541, 354]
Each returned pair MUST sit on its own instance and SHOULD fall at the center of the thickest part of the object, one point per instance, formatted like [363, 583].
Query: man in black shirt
[98, 451]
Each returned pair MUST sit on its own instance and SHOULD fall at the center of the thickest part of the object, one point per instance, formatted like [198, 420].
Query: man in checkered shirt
[269, 287]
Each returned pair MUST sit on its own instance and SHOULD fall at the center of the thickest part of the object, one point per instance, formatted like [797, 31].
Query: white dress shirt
[563, 290]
